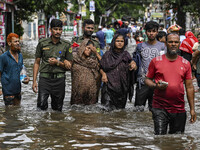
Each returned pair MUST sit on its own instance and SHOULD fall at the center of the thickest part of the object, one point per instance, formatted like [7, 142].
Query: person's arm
[190, 96]
[104, 76]
[35, 73]
[195, 57]
[94, 50]
[54, 61]
[67, 64]
[149, 82]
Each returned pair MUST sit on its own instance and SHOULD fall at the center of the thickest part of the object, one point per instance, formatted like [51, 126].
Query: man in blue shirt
[11, 63]
[101, 37]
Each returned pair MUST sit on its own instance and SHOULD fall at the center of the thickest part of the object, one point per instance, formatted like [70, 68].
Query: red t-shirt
[173, 72]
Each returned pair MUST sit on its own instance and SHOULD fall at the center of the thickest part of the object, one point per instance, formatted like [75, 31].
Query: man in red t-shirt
[166, 74]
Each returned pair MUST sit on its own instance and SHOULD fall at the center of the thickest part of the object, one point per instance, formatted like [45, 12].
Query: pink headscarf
[188, 43]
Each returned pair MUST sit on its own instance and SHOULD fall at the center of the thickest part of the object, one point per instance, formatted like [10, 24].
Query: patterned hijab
[88, 62]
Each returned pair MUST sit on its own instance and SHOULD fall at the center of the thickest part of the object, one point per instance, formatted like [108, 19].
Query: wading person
[55, 56]
[86, 78]
[145, 52]
[169, 72]
[196, 59]
[88, 29]
[11, 63]
[118, 79]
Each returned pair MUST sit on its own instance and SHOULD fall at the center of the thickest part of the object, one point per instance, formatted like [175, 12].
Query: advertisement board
[41, 31]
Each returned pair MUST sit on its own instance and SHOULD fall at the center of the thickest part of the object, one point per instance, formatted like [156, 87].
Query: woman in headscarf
[118, 77]
[86, 78]
[187, 45]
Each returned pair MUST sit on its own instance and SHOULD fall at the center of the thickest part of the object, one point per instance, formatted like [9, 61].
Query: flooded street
[84, 127]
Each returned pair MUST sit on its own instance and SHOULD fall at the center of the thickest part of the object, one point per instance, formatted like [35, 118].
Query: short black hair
[137, 35]
[151, 25]
[87, 21]
[171, 34]
[108, 26]
[56, 23]
[160, 34]
[198, 34]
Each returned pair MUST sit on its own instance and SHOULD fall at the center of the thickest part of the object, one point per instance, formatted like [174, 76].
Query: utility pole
[80, 3]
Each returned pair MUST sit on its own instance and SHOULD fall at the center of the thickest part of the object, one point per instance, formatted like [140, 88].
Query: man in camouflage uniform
[55, 58]
[88, 29]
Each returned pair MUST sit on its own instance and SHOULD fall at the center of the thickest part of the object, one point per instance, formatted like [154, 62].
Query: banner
[92, 6]
[2, 40]
[2, 5]
[41, 31]
[2, 30]
[84, 10]
[1, 20]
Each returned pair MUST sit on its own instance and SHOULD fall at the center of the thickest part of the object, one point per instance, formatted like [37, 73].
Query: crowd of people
[114, 73]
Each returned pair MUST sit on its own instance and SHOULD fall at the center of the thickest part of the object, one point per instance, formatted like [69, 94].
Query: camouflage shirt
[80, 39]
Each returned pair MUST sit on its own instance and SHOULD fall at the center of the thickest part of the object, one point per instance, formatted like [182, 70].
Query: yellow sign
[157, 15]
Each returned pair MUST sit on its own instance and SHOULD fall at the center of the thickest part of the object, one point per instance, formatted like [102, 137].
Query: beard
[170, 52]
[57, 36]
[16, 48]
[88, 33]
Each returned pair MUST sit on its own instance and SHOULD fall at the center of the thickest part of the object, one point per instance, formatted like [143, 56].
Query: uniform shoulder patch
[65, 41]
[43, 39]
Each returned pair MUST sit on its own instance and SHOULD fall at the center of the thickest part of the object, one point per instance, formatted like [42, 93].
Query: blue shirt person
[101, 37]
[11, 63]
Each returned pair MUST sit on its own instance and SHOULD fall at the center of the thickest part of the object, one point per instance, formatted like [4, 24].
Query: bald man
[167, 74]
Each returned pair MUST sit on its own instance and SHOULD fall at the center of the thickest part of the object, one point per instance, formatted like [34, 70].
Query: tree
[181, 7]
[117, 8]
[26, 8]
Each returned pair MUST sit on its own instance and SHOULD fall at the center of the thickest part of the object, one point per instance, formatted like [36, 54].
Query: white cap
[99, 27]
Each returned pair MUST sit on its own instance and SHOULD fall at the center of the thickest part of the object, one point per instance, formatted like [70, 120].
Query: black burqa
[120, 80]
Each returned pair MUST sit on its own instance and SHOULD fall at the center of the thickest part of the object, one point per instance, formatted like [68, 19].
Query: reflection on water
[84, 127]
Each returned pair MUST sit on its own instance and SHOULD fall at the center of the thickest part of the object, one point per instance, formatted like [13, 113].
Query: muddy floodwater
[85, 127]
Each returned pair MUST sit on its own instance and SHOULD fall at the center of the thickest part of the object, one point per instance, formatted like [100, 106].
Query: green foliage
[19, 29]
[118, 8]
[183, 6]
[26, 8]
